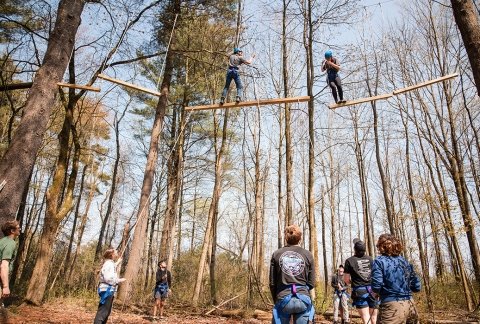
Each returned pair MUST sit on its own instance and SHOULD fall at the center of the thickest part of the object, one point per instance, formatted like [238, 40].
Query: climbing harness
[280, 305]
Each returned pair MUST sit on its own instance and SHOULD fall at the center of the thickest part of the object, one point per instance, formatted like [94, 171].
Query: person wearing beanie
[358, 273]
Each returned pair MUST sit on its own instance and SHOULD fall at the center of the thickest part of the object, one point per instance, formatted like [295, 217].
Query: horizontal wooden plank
[426, 83]
[77, 86]
[359, 101]
[129, 85]
[27, 85]
[262, 102]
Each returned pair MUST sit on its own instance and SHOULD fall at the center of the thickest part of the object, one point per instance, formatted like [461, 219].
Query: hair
[388, 244]
[9, 226]
[293, 234]
[340, 266]
[161, 261]
[109, 253]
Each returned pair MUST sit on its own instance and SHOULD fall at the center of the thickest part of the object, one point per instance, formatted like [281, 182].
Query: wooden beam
[77, 86]
[359, 101]
[250, 103]
[426, 83]
[27, 85]
[129, 85]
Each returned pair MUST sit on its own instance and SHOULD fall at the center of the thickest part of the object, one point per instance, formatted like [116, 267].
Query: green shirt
[8, 250]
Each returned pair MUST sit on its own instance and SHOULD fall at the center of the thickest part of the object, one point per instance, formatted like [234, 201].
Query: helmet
[236, 50]
[328, 54]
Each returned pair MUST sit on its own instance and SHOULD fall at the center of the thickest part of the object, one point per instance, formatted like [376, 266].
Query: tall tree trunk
[413, 205]
[217, 190]
[17, 163]
[312, 227]
[139, 235]
[21, 238]
[81, 229]
[55, 211]
[280, 219]
[367, 229]
[468, 23]
[385, 182]
[75, 219]
[288, 122]
[113, 188]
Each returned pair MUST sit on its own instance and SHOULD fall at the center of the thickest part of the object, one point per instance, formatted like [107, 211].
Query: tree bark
[139, 235]
[468, 23]
[217, 190]
[288, 133]
[56, 211]
[17, 163]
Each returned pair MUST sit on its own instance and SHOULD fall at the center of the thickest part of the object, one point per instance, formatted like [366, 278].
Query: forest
[87, 163]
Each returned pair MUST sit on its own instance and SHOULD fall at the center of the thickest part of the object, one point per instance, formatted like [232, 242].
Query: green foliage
[17, 15]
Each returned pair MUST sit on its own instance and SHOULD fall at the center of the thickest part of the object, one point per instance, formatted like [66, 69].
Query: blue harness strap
[162, 289]
[280, 305]
[105, 294]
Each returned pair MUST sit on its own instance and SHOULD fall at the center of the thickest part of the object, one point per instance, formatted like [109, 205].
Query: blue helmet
[328, 54]
[236, 50]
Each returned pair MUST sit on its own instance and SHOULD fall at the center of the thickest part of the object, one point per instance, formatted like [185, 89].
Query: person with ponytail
[393, 281]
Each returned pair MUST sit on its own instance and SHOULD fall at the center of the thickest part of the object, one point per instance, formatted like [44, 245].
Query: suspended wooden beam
[129, 85]
[250, 103]
[359, 101]
[426, 83]
[77, 86]
[27, 85]
[395, 92]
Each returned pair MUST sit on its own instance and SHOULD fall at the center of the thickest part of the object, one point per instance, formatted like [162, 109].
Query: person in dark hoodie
[394, 280]
[292, 276]
[358, 273]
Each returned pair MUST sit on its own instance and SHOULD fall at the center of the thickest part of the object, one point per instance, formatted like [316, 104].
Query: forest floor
[68, 312]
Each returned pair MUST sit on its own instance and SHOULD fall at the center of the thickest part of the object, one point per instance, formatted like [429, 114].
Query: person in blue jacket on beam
[292, 276]
[235, 60]
[394, 280]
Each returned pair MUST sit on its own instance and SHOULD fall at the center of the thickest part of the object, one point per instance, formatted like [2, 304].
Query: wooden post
[250, 103]
[129, 85]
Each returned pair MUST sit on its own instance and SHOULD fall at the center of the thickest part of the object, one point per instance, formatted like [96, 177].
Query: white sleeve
[109, 275]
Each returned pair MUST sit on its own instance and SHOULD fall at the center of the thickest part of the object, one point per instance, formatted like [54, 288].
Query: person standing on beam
[235, 60]
[333, 79]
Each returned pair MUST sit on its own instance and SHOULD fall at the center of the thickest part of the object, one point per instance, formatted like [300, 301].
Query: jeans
[342, 302]
[295, 308]
[104, 311]
[233, 74]
[334, 85]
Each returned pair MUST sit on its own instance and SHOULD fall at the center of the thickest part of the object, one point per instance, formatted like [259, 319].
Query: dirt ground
[68, 313]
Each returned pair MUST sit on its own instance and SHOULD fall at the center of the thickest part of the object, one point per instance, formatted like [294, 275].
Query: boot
[237, 99]
[222, 100]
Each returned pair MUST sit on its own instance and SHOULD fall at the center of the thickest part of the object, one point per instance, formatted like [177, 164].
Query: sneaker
[237, 99]
[342, 101]
[222, 100]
